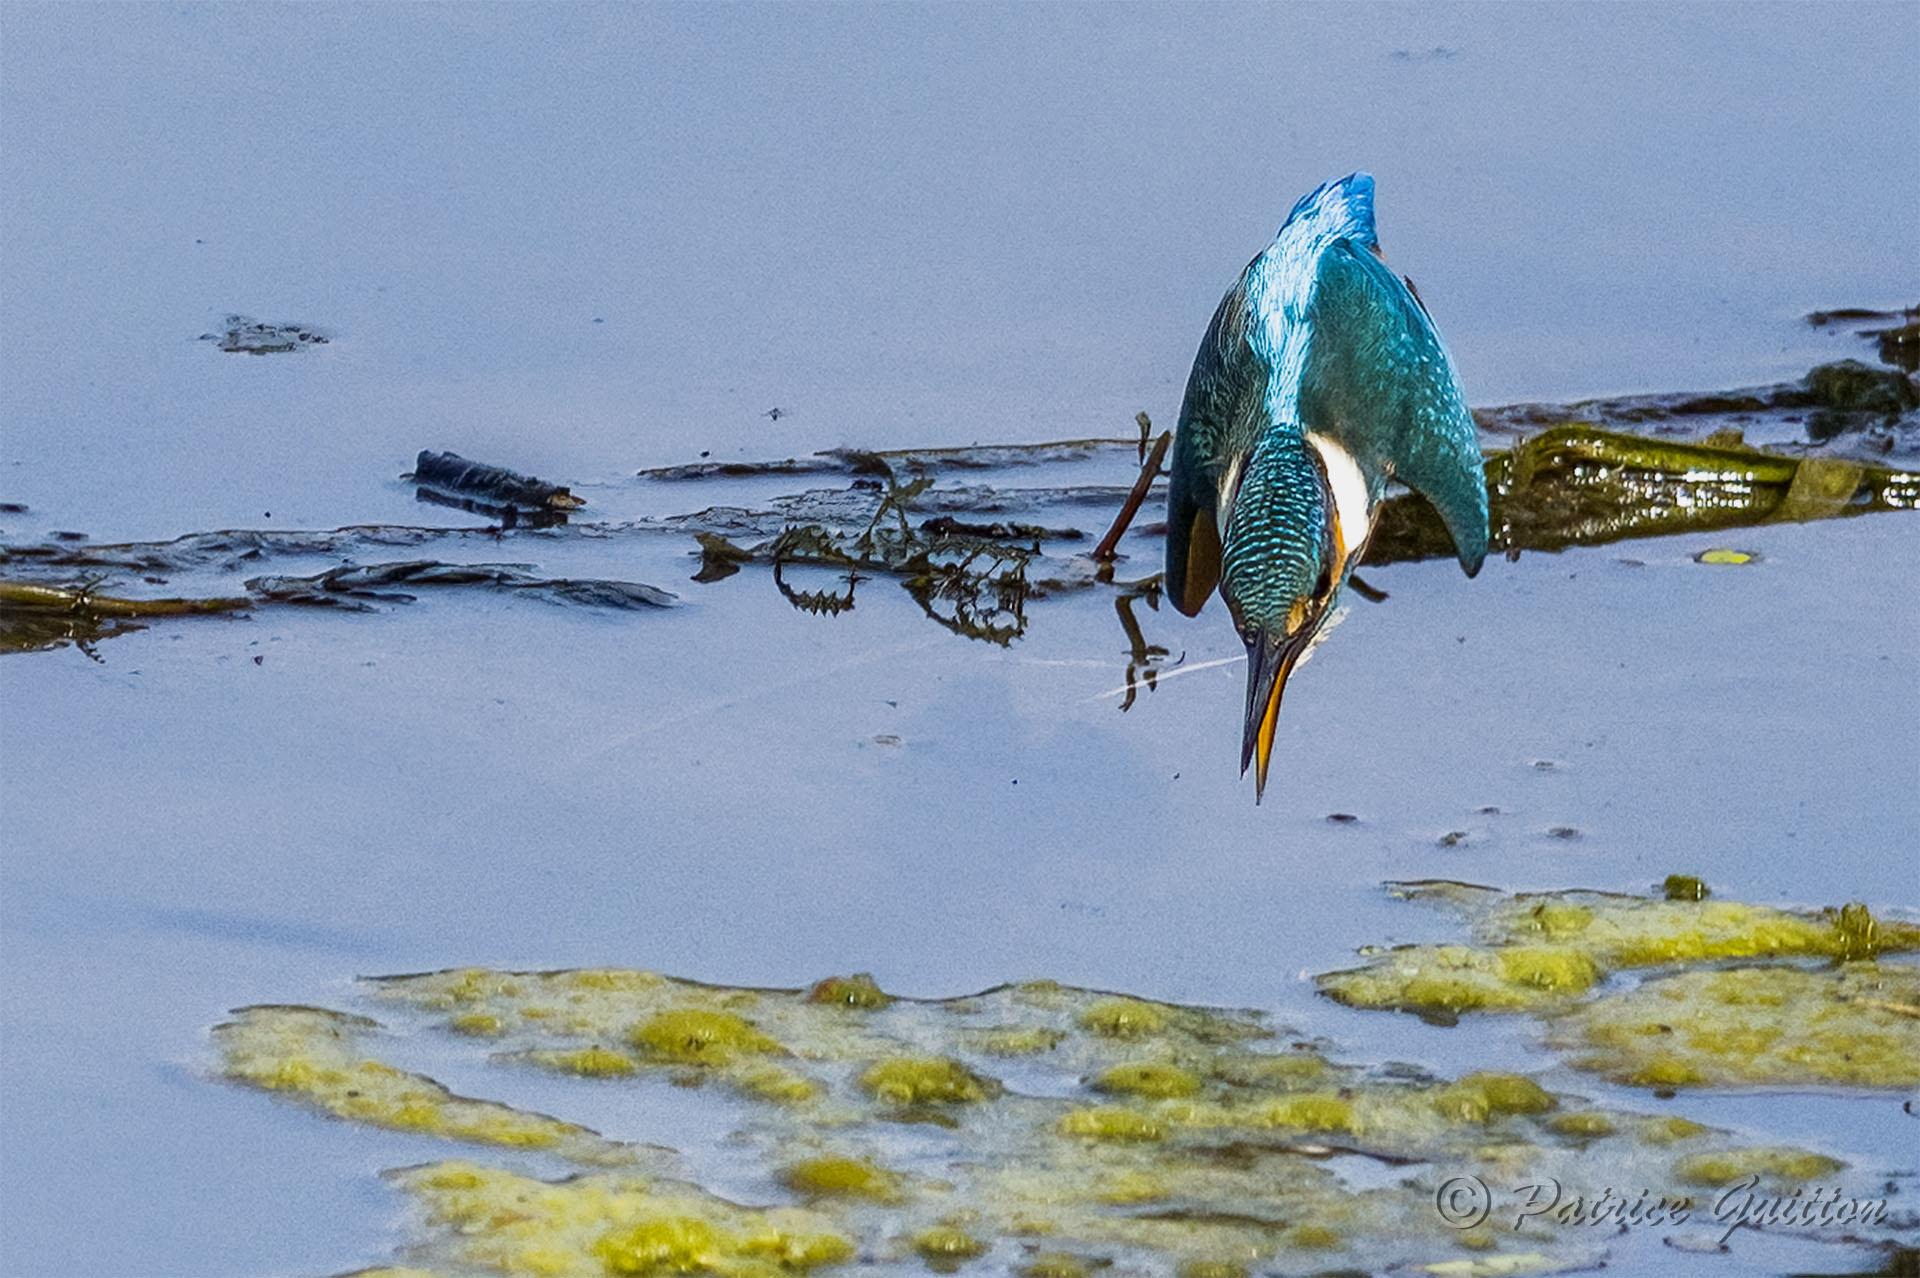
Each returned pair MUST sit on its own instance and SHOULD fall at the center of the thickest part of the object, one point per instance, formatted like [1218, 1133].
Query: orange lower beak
[1270, 660]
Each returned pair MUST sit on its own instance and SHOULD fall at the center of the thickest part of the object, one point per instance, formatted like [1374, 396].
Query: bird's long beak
[1270, 659]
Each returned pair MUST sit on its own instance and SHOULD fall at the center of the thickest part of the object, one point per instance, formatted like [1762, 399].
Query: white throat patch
[1349, 488]
[1229, 486]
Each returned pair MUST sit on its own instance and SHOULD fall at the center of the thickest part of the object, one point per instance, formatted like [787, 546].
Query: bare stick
[1148, 472]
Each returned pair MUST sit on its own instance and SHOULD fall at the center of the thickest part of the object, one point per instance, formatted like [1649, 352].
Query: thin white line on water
[1163, 675]
[754, 694]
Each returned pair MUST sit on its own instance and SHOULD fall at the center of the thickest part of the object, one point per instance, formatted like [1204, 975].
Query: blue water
[580, 240]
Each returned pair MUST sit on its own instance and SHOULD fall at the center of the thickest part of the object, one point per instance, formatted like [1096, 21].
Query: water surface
[583, 240]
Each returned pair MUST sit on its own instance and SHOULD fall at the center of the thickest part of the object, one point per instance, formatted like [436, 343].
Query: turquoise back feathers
[1317, 337]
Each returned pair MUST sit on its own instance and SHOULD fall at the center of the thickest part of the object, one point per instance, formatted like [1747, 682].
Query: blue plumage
[1320, 380]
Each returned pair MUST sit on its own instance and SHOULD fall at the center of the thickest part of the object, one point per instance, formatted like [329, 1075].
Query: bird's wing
[1378, 380]
[1227, 385]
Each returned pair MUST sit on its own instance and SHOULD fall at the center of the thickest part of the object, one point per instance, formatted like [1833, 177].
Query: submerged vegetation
[1044, 1129]
[974, 557]
[1580, 486]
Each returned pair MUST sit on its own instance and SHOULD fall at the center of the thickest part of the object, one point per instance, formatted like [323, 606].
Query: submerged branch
[28, 596]
[36, 617]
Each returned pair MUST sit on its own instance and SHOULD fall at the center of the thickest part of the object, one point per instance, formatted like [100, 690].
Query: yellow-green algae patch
[315, 1056]
[1543, 953]
[947, 1243]
[699, 1036]
[1447, 980]
[1314, 1237]
[1018, 1040]
[1120, 1016]
[1111, 1122]
[1155, 1079]
[925, 1080]
[1211, 1269]
[1854, 1026]
[1057, 1264]
[1590, 1124]
[588, 1062]
[1723, 1167]
[1480, 1098]
[1124, 1018]
[859, 991]
[609, 1225]
[838, 1176]
[1670, 1131]
[1625, 932]
[1193, 1135]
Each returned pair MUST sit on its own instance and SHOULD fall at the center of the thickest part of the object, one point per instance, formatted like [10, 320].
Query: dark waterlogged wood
[496, 486]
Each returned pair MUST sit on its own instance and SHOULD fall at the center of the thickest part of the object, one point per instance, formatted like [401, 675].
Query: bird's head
[1281, 563]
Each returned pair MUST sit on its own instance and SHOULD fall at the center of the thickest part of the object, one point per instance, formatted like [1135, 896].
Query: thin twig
[1148, 473]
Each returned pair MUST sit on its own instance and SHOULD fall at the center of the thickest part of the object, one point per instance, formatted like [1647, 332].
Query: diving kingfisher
[1319, 380]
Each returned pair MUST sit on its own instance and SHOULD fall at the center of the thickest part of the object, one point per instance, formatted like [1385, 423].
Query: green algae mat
[1717, 1006]
[1052, 1131]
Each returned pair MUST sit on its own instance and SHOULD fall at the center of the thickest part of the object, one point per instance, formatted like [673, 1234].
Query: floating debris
[1899, 343]
[493, 486]
[977, 555]
[1856, 398]
[1849, 386]
[34, 617]
[1684, 887]
[244, 335]
[860, 461]
[358, 586]
[1820, 319]
[948, 526]
[1899, 346]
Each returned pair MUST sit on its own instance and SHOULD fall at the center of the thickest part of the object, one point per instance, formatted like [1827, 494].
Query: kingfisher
[1320, 380]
